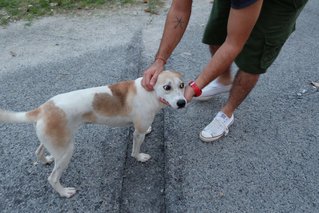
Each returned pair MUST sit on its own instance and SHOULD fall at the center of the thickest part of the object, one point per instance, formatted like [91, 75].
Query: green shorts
[276, 22]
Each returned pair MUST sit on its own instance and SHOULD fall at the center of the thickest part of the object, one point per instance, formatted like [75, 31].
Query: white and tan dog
[119, 104]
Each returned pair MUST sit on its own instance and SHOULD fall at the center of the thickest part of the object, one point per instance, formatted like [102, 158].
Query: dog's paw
[142, 157]
[46, 159]
[149, 130]
[49, 159]
[67, 192]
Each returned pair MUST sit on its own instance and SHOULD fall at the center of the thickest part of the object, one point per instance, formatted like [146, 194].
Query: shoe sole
[203, 98]
[208, 140]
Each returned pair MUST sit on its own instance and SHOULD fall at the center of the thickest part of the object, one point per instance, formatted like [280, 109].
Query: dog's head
[170, 89]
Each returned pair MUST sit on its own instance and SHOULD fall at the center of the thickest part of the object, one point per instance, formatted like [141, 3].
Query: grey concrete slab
[269, 161]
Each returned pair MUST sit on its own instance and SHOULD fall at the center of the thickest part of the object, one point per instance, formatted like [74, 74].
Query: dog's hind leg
[62, 160]
[60, 145]
[41, 156]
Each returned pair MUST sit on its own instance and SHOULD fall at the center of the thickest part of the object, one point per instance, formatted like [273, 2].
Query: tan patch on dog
[168, 75]
[117, 103]
[89, 117]
[55, 124]
[34, 114]
[176, 73]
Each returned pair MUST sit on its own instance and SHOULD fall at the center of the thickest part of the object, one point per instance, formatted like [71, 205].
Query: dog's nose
[181, 103]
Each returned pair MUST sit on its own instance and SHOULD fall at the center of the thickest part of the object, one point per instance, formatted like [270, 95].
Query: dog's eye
[167, 87]
[181, 85]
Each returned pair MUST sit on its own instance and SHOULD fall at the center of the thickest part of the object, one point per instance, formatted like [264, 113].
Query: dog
[120, 104]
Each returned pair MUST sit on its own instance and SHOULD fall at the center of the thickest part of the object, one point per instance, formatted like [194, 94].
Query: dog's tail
[19, 117]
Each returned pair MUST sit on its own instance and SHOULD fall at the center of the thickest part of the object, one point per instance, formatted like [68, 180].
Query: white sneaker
[211, 89]
[217, 128]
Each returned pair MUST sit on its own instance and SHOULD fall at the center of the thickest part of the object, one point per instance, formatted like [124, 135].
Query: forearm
[222, 59]
[175, 26]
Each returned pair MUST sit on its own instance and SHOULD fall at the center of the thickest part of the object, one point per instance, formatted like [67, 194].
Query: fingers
[189, 94]
[146, 81]
[149, 80]
[154, 79]
[150, 76]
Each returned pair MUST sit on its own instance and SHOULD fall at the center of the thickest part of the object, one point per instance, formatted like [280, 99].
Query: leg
[243, 83]
[41, 157]
[259, 52]
[261, 49]
[61, 149]
[61, 163]
[138, 139]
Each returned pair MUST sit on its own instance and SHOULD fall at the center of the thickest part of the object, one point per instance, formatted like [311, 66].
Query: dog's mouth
[179, 105]
[162, 100]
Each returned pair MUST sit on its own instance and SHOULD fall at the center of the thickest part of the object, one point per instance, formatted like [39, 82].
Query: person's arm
[239, 27]
[175, 26]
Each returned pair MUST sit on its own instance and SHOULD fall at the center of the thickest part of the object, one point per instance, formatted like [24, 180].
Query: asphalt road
[267, 163]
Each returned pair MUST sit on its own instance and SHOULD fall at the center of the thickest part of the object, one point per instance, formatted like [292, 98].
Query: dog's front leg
[138, 139]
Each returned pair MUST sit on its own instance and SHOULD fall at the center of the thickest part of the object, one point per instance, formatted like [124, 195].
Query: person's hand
[189, 93]
[150, 74]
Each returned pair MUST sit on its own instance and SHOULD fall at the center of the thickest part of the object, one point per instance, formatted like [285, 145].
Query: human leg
[243, 83]
[261, 50]
[266, 40]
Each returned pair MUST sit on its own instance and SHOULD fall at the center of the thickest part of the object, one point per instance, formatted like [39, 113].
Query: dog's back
[85, 105]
